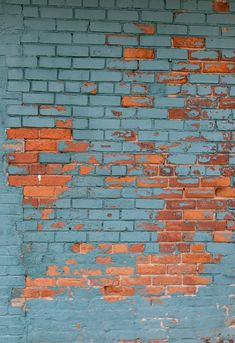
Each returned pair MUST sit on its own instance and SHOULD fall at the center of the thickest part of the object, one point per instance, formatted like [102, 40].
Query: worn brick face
[117, 171]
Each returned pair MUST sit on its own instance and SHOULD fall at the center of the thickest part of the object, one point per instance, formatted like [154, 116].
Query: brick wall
[117, 174]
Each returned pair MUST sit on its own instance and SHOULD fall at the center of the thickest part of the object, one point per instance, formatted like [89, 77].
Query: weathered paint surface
[117, 174]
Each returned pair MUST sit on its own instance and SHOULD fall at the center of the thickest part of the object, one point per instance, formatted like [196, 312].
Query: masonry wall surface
[117, 171]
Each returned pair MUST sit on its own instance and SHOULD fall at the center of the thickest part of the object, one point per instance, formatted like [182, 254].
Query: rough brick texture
[117, 171]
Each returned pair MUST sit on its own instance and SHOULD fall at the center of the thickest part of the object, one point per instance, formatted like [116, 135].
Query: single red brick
[137, 101]
[71, 282]
[148, 269]
[182, 290]
[165, 259]
[136, 280]
[40, 191]
[41, 145]
[184, 113]
[199, 192]
[226, 192]
[119, 248]
[211, 204]
[169, 215]
[221, 181]
[180, 226]
[182, 269]
[120, 270]
[218, 67]
[139, 54]
[197, 258]
[55, 133]
[22, 157]
[188, 42]
[212, 226]
[137, 248]
[22, 133]
[167, 280]
[117, 290]
[169, 236]
[172, 78]
[221, 5]
[196, 280]
[167, 247]
[76, 147]
[227, 103]
[198, 215]
[55, 180]
[180, 204]
[23, 180]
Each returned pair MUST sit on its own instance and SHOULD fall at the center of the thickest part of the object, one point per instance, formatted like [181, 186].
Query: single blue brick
[72, 25]
[201, 78]
[190, 18]
[49, 12]
[55, 37]
[154, 65]
[122, 15]
[161, 41]
[104, 123]
[118, 225]
[88, 63]
[89, 14]
[55, 62]
[168, 125]
[87, 38]
[86, 203]
[119, 203]
[40, 74]
[136, 124]
[227, 79]
[38, 50]
[120, 64]
[153, 136]
[72, 50]
[22, 110]
[70, 236]
[41, 98]
[169, 102]
[204, 30]
[134, 237]
[38, 122]
[152, 113]
[220, 43]
[223, 18]
[135, 214]
[103, 236]
[68, 99]
[182, 159]
[29, 62]
[119, 170]
[105, 26]
[104, 214]
[39, 86]
[106, 146]
[150, 203]
[100, 192]
[106, 76]
[106, 87]
[105, 51]
[54, 158]
[158, 16]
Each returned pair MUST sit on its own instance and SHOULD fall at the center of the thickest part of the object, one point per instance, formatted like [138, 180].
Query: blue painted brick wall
[117, 171]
